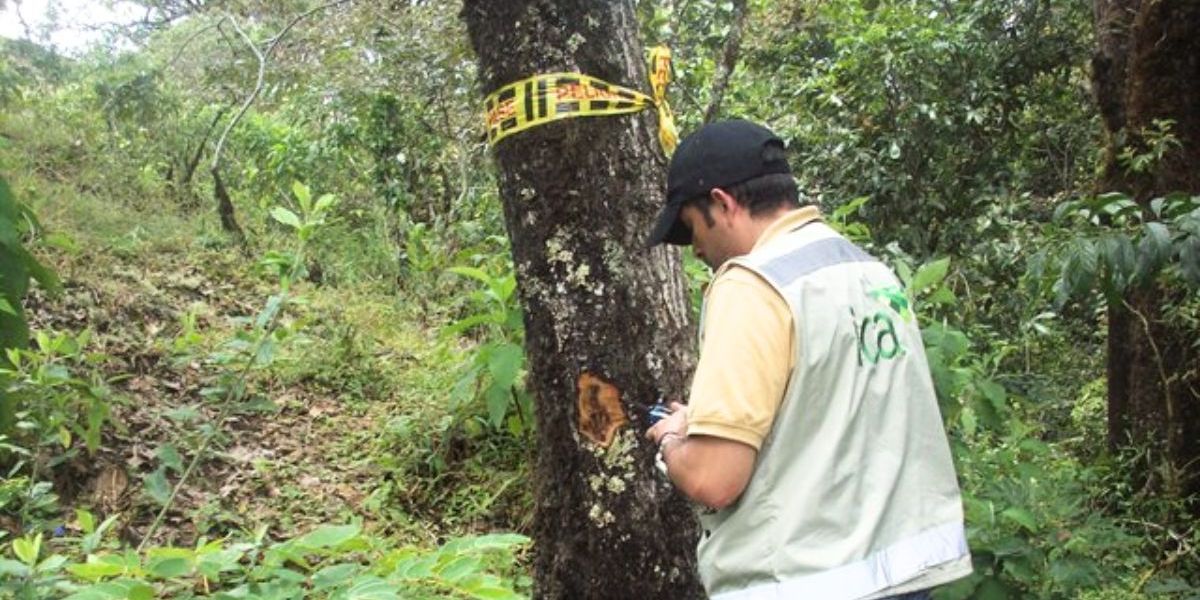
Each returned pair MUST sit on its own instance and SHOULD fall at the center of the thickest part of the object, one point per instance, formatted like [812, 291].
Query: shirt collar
[791, 220]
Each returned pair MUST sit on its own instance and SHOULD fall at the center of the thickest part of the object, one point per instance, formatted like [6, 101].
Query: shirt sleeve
[746, 359]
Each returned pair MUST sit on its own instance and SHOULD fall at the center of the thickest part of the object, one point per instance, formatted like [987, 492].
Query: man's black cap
[718, 155]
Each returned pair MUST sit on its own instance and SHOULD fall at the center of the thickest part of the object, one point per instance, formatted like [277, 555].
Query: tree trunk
[225, 209]
[607, 325]
[1147, 68]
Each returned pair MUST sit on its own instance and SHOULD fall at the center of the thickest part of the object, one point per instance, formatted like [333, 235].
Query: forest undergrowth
[340, 384]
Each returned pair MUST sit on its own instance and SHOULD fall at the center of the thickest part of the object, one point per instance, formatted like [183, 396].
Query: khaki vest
[854, 491]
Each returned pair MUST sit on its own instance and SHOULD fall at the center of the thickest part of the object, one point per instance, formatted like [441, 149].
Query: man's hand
[710, 470]
[674, 423]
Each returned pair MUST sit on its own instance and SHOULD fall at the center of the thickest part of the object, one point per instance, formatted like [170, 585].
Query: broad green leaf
[329, 536]
[285, 216]
[504, 363]
[94, 570]
[371, 588]
[86, 520]
[157, 486]
[1154, 249]
[498, 398]
[473, 273]
[1189, 261]
[967, 420]
[994, 392]
[269, 311]
[183, 414]
[496, 541]
[303, 195]
[1021, 517]
[335, 575]
[124, 589]
[460, 567]
[52, 564]
[169, 457]
[930, 274]
[490, 592]
[166, 568]
[28, 548]
[994, 589]
[324, 203]
[462, 325]
[418, 567]
[12, 568]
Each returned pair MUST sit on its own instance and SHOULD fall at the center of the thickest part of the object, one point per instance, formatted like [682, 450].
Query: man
[812, 430]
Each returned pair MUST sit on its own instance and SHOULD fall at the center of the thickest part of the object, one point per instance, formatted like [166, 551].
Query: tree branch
[729, 59]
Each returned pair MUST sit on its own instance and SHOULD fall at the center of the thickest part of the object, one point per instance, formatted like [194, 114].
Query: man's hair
[760, 195]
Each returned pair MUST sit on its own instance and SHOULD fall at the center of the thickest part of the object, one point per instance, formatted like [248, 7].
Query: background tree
[607, 325]
[1146, 74]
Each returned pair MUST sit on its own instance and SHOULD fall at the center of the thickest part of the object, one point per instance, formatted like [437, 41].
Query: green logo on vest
[876, 333]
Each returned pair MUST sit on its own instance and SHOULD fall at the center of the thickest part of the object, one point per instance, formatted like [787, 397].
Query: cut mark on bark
[600, 413]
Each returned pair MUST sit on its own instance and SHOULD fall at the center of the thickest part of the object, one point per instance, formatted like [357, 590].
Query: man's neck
[761, 223]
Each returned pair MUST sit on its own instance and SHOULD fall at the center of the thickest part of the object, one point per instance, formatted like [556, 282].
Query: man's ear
[723, 202]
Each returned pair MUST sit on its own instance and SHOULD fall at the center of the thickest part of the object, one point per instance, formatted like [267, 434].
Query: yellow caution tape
[660, 77]
[549, 97]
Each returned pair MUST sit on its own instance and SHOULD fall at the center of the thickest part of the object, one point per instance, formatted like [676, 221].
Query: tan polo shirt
[747, 349]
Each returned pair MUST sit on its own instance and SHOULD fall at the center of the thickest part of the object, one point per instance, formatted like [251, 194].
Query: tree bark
[1147, 68]
[225, 209]
[190, 169]
[607, 325]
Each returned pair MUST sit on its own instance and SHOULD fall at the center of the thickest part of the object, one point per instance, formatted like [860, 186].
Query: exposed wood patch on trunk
[600, 413]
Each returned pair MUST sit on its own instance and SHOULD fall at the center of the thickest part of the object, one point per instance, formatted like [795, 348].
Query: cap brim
[669, 229]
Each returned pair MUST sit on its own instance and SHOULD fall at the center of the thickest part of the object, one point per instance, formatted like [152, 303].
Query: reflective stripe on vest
[890, 566]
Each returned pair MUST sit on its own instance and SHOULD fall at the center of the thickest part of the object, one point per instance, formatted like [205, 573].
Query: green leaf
[1080, 268]
[124, 589]
[1021, 517]
[498, 398]
[157, 486]
[495, 541]
[274, 303]
[28, 548]
[1154, 249]
[504, 363]
[494, 593]
[324, 203]
[994, 393]
[95, 569]
[169, 457]
[460, 567]
[968, 421]
[930, 274]
[329, 536]
[52, 564]
[87, 521]
[371, 588]
[473, 273]
[1189, 261]
[994, 589]
[415, 568]
[334, 575]
[462, 325]
[12, 568]
[166, 568]
[303, 195]
[285, 216]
